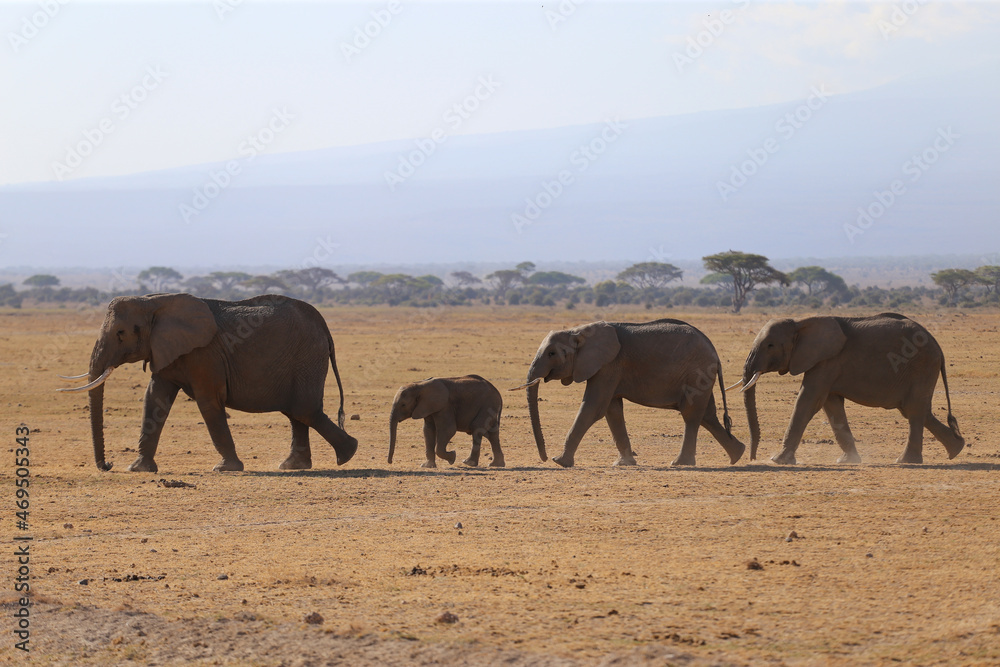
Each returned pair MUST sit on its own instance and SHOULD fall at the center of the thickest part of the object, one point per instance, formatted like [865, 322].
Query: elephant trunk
[99, 366]
[393, 421]
[536, 423]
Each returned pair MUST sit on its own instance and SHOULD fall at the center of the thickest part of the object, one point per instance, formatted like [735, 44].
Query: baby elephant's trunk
[393, 421]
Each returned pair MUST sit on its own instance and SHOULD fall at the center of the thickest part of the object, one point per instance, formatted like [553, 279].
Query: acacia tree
[989, 277]
[224, 281]
[363, 278]
[818, 278]
[747, 271]
[41, 280]
[554, 279]
[465, 279]
[264, 284]
[952, 281]
[650, 274]
[503, 280]
[159, 278]
[311, 280]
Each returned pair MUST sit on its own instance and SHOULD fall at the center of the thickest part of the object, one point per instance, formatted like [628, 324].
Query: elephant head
[786, 346]
[154, 329]
[573, 355]
[417, 400]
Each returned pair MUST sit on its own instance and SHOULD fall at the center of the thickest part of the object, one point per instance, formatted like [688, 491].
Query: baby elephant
[469, 404]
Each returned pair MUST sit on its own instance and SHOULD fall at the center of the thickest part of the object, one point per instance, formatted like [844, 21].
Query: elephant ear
[432, 397]
[596, 344]
[181, 323]
[816, 339]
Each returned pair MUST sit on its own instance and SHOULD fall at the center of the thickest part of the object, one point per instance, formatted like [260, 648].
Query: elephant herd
[269, 353]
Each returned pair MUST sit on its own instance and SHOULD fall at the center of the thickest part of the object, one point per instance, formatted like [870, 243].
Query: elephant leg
[213, 411]
[690, 444]
[160, 395]
[834, 409]
[734, 448]
[445, 430]
[616, 422]
[477, 441]
[914, 451]
[343, 444]
[807, 404]
[494, 438]
[300, 457]
[430, 442]
[596, 399]
[953, 442]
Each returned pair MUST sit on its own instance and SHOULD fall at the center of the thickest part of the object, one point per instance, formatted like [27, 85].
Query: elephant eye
[552, 353]
[121, 334]
[770, 345]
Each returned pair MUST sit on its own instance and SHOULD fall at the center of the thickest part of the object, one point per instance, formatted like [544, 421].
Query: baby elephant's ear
[596, 344]
[181, 323]
[431, 398]
[816, 339]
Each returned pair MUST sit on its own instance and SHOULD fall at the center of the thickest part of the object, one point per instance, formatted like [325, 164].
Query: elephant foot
[735, 451]
[230, 465]
[471, 462]
[849, 457]
[625, 460]
[564, 460]
[498, 463]
[911, 457]
[429, 464]
[785, 457]
[296, 463]
[683, 460]
[955, 450]
[142, 464]
[447, 456]
[346, 453]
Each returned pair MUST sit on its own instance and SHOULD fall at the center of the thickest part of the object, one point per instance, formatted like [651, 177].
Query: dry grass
[891, 563]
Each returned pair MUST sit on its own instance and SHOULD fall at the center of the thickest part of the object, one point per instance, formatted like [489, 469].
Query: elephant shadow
[769, 467]
[366, 473]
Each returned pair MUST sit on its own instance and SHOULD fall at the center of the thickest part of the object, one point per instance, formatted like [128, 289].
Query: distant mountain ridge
[783, 180]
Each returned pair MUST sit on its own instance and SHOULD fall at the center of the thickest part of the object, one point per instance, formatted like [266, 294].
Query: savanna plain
[752, 563]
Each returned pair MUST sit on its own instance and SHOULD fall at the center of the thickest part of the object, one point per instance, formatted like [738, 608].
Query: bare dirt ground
[592, 565]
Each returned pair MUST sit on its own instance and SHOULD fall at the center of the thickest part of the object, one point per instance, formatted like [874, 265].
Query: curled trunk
[750, 403]
[536, 424]
[393, 421]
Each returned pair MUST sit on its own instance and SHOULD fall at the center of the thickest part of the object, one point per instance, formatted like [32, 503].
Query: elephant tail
[336, 373]
[952, 422]
[727, 422]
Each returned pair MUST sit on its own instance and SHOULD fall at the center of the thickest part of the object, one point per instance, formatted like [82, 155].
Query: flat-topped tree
[41, 280]
[554, 279]
[650, 274]
[953, 280]
[157, 279]
[465, 279]
[747, 271]
[817, 278]
[989, 277]
[503, 280]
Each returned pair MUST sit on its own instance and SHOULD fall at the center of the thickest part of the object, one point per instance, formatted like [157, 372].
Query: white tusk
[90, 385]
[735, 385]
[752, 382]
[525, 386]
[74, 377]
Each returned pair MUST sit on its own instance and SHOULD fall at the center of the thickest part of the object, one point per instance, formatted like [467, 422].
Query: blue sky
[221, 74]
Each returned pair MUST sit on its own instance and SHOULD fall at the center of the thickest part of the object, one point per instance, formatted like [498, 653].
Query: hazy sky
[157, 85]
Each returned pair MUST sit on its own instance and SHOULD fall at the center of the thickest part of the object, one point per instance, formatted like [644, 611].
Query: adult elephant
[268, 353]
[885, 361]
[660, 364]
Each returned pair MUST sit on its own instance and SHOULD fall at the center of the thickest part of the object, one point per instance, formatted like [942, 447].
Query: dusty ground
[584, 566]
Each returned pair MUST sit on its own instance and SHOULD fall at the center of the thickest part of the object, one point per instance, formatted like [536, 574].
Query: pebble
[69, 525]
[869, 555]
[222, 577]
[355, 418]
[459, 525]
[84, 582]
[447, 617]
[314, 619]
